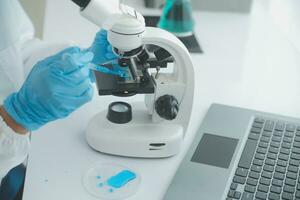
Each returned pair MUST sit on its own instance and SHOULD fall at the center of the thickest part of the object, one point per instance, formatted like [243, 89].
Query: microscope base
[139, 138]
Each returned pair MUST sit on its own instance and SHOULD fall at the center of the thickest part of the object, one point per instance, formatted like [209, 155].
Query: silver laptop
[240, 154]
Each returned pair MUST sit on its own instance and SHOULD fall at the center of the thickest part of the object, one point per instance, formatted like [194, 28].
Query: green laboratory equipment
[177, 18]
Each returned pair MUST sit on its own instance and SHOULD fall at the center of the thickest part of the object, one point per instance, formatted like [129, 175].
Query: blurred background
[210, 5]
[37, 9]
[54, 19]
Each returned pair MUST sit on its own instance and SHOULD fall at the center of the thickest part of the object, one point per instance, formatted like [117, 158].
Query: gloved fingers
[92, 76]
[101, 37]
[85, 95]
[102, 33]
[75, 90]
[72, 83]
[60, 54]
[53, 89]
[73, 102]
[77, 76]
[110, 56]
[69, 79]
[88, 94]
[77, 60]
[110, 53]
[70, 50]
[90, 72]
[73, 61]
[82, 58]
[109, 49]
[64, 104]
[100, 48]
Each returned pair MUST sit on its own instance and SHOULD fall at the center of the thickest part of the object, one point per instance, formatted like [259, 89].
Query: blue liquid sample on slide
[121, 179]
[111, 181]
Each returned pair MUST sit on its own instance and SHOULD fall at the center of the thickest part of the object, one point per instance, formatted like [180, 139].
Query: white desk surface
[247, 62]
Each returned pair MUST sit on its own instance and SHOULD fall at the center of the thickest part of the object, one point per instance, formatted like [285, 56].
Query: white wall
[36, 11]
[64, 23]
[286, 15]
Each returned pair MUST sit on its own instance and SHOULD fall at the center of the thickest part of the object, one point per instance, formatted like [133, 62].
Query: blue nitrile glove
[55, 87]
[102, 49]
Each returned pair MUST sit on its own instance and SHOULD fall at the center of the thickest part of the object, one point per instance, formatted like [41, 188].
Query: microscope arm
[180, 83]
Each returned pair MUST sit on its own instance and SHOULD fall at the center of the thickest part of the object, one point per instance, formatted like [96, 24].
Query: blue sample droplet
[100, 185]
[121, 179]
[111, 190]
[98, 177]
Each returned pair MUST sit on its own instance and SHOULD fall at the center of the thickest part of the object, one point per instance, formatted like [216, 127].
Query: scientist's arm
[55, 87]
[10, 122]
[14, 144]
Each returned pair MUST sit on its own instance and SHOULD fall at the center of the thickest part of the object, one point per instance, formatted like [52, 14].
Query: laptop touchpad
[215, 150]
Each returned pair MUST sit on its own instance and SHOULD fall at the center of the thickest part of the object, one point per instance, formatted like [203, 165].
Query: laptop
[240, 154]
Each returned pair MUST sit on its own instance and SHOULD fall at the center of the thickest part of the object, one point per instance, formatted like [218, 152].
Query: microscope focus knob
[167, 107]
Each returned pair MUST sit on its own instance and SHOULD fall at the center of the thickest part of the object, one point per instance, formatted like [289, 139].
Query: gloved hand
[55, 87]
[101, 48]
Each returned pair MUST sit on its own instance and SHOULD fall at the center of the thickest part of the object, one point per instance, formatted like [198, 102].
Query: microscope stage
[112, 85]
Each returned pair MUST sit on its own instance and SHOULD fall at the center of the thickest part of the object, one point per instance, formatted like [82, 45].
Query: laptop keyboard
[269, 164]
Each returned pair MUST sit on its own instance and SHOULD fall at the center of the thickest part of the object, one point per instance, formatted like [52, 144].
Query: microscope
[154, 63]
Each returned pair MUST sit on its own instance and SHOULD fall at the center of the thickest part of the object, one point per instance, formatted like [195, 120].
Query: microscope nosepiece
[129, 53]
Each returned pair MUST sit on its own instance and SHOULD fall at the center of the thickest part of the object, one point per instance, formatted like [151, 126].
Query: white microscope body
[150, 134]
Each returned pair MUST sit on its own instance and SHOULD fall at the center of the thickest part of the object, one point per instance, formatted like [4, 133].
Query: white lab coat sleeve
[14, 148]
